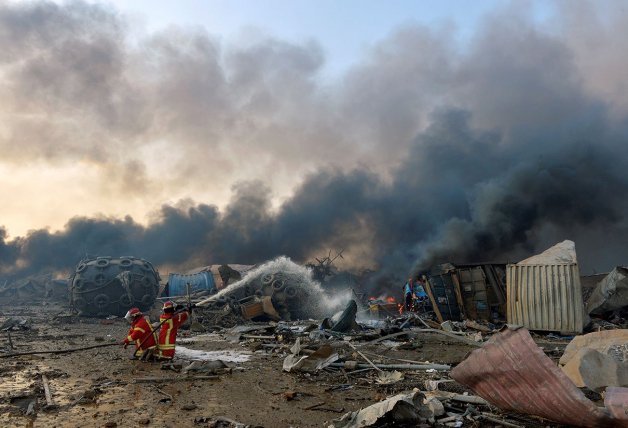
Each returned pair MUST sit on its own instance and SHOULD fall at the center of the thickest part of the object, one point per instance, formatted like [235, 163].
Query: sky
[344, 29]
[403, 132]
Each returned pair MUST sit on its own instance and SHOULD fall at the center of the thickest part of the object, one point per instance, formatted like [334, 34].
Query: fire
[390, 299]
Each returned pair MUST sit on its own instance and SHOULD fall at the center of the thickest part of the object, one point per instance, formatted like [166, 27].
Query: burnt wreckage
[110, 286]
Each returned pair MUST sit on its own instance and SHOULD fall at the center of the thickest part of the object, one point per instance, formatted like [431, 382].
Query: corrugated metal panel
[511, 372]
[545, 297]
[177, 283]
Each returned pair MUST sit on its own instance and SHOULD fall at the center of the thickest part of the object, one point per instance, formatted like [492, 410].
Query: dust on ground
[98, 387]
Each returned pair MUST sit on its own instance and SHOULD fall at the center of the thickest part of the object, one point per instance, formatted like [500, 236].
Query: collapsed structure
[542, 292]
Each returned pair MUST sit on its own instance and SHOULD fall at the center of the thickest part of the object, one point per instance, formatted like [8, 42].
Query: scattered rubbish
[317, 360]
[224, 355]
[402, 409]
[388, 378]
[15, 323]
[34, 288]
[208, 366]
[344, 322]
[367, 357]
[432, 385]
[511, 366]
[447, 326]
[353, 364]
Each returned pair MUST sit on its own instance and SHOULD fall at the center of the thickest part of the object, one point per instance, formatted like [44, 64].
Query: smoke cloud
[424, 152]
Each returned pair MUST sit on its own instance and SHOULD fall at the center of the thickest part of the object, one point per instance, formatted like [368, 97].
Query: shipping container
[441, 290]
[545, 297]
[474, 291]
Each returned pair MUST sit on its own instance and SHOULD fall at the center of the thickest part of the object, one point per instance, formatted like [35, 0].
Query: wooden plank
[454, 278]
[430, 294]
[44, 380]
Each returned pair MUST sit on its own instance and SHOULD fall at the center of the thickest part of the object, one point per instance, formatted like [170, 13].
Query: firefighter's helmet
[168, 305]
[132, 313]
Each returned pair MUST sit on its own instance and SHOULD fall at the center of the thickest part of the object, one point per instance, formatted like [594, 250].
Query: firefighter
[407, 294]
[170, 322]
[141, 333]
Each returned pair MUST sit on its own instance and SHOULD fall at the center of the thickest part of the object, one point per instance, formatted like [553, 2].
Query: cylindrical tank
[110, 286]
[201, 281]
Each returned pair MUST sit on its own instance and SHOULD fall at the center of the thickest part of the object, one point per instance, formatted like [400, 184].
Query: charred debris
[484, 336]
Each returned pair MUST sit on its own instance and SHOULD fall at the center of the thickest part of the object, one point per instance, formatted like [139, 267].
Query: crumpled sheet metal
[320, 359]
[511, 372]
[406, 409]
[616, 401]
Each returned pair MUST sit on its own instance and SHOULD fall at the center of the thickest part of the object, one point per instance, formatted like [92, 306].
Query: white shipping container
[545, 297]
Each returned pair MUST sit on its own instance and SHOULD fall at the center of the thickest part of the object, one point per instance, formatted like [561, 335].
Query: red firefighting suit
[168, 334]
[141, 333]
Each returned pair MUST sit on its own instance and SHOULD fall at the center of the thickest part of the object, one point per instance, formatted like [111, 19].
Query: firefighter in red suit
[141, 333]
[170, 322]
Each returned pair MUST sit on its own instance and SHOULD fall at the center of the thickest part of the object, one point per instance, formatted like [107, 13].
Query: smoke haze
[424, 152]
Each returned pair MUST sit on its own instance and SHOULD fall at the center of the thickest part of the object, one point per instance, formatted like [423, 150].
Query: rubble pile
[491, 345]
[34, 288]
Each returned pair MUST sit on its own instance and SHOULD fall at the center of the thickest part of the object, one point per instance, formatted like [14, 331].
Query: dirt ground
[99, 388]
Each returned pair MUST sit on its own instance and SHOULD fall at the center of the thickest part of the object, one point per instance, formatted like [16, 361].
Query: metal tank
[104, 286]
[198, 282]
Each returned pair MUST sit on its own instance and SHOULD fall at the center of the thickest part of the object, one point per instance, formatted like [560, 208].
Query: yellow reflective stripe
[170, 327]
[166, 346]
[129, 338]
[140, 329]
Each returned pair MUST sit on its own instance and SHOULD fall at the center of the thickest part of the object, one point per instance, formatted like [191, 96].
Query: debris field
[275, 349]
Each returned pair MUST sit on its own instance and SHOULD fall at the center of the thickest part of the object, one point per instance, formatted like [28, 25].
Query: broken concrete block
[595, 370]
[611, 293]
[597, 360]
[602, 341]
